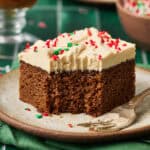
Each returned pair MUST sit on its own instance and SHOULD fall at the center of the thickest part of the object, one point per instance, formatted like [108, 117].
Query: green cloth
[12, 136]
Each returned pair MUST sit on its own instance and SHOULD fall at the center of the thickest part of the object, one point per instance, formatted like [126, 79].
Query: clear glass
[12, 21]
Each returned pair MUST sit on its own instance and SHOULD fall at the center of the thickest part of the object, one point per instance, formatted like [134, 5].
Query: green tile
[48, 17]
[76, 3]
[7, 50]
[148, 57]
[138, 56]
[4, 62]
[77, 19]
[46, 2]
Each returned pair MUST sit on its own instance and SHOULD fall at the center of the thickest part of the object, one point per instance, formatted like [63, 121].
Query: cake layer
[87, 49]
[90, 92]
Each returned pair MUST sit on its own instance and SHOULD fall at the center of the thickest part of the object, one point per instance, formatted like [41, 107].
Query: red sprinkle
[89, 32]
[45, 114]
[55, 57]
[27, 109]
[86, 42]
[48, 43]
[55, 42]
[96, 46]
[61, 52]
[118, 49]
[102, 40]
[70, 125]
[35, 49]
[110, 44]
[62, 35]
[101, 33]
[92, 42]
[99, 57]
[124, 44]
[116, 42]
[27, 45]
[134, 4]
[104, 36]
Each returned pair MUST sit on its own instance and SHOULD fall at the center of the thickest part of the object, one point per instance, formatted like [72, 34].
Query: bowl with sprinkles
[135, 18]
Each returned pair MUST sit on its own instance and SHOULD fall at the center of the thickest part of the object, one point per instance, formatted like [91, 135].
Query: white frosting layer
[86, 49]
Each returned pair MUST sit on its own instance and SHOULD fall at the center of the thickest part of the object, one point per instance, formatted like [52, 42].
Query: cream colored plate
[12, 111]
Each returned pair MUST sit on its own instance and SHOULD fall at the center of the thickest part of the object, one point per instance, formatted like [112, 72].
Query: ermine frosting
[87, 49]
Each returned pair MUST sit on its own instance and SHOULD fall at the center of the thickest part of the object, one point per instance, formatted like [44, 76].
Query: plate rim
[74, 136]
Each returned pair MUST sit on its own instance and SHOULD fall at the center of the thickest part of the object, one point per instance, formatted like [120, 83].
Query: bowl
[136, 27]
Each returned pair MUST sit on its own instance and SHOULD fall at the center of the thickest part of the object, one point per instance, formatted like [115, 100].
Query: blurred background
[47, 18]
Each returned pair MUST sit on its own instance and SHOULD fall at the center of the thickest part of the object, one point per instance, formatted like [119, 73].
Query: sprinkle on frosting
[89, 32]
[99, 57]
[35, 49]
[48, 43]
[114, 43]
[69, 44]
[66, 49]
[55, 42]
[124, 44]
[72, 33]
[61, 51]
[92, 42]
[56, 52]
[55, 57]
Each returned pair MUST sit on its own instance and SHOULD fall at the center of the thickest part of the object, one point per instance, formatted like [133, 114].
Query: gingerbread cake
[86, 71]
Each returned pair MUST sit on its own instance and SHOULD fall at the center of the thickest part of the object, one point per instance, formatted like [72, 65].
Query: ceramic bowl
[136, 27]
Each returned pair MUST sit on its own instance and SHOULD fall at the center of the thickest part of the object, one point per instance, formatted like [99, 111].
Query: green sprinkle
[69, 44]
[76, 44]
[38, 116]
[66, 49]
[56, 52]
[59, 49]
[71, 33]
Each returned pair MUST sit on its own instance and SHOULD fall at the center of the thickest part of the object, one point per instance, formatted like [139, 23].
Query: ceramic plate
[64, 126]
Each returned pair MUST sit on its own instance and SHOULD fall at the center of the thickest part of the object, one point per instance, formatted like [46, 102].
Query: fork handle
[135, 101]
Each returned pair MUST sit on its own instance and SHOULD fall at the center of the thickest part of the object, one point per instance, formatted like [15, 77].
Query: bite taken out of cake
[86, 71]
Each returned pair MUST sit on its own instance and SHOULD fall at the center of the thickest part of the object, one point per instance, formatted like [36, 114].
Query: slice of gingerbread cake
[86, 71]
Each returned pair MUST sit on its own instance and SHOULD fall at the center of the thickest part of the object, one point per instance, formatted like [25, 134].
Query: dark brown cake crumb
[91, 92]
